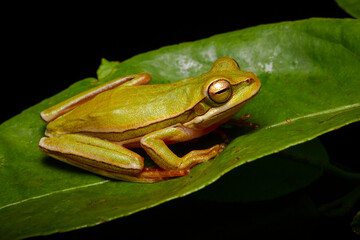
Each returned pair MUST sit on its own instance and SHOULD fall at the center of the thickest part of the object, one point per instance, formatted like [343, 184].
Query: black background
[48, 47]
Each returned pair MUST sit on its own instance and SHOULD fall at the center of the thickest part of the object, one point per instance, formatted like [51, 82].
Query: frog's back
[143, 108]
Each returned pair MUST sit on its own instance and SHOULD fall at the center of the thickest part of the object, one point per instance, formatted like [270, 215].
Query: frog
[97, 130]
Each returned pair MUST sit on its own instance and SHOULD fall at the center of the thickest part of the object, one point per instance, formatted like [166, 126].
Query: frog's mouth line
[254, 95]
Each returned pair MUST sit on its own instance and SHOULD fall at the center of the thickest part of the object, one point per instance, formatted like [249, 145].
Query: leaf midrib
[54, 192]
[292, 120]
[328, 111]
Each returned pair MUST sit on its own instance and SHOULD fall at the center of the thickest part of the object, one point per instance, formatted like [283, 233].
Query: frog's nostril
[249, 80]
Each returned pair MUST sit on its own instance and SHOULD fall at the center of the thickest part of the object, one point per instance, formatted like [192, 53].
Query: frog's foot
[198, 156]
[158, 174]
[242, 121]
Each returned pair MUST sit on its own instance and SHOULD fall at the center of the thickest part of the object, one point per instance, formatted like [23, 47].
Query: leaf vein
[334, 110]
[55, 192]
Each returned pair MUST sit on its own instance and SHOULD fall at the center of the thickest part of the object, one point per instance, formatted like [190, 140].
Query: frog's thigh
[71, 103]
[154, 144]
[95, 155]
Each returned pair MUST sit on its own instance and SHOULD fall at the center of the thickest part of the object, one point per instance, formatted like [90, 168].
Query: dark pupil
[221, 91]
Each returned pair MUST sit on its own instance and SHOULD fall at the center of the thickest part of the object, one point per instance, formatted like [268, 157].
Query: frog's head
[226, 90]
[228, 85]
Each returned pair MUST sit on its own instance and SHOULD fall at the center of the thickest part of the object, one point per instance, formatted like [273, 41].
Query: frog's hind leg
[98, 156]
[71, 103]
[159, 173]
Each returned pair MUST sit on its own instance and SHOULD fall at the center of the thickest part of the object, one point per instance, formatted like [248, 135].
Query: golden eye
[220, 91]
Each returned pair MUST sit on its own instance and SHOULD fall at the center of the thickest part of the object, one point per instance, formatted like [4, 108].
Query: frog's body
[92, 129]
[132, 111]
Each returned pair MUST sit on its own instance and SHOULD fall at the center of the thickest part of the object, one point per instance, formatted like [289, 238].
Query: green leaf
[355, 224]
[271, 176]
[106, 69]
[310, 79]
[352, 7]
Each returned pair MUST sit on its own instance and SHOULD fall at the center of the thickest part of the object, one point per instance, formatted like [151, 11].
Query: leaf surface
[310, 85]
[271, 176]
[352, 7]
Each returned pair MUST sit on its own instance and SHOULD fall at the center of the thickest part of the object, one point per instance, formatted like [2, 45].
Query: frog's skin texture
[95, 130]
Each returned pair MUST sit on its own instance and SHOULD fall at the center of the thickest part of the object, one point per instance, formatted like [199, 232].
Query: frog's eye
[220, 91]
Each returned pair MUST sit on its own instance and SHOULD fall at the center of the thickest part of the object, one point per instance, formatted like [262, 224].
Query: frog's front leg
[155, 145]
[101, 157]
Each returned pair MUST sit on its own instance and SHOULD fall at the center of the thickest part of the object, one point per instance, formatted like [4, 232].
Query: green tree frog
[96, 129]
